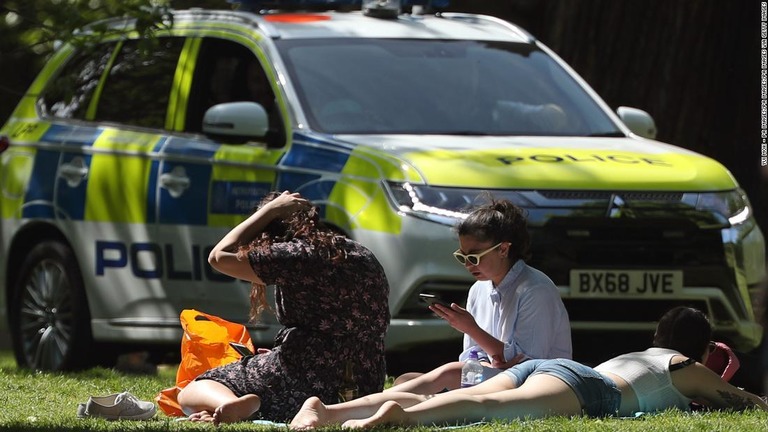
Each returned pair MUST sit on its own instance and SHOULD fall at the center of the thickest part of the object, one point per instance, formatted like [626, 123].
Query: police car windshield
[417, 86]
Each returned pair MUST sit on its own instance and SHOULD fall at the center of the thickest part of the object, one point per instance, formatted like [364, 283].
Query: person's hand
[496, 361]
[288, 203]
[458, 317]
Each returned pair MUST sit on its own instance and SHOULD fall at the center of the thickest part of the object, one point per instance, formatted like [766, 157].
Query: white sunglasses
[473, 259]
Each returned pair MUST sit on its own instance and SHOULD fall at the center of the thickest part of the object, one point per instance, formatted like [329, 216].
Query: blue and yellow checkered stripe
[125, 168]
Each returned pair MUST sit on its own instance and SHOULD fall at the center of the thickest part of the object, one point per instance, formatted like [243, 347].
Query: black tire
[49, 319]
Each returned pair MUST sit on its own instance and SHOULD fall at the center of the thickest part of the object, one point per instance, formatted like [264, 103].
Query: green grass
[40, 401]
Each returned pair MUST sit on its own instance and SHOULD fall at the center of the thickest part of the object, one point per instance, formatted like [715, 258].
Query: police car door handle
[175, 181]
[74, 172]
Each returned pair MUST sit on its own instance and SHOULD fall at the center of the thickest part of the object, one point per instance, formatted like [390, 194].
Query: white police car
[121, 168]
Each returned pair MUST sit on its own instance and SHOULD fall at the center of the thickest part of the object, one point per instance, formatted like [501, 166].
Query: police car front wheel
[50, 321]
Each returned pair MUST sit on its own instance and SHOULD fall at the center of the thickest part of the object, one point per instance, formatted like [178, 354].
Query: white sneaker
[118, 406]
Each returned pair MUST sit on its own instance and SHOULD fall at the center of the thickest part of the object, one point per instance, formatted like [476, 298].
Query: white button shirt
[525, 312]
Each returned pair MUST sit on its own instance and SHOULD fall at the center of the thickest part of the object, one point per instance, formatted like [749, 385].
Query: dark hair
[499, 221]
[302, 224]
[685, 330]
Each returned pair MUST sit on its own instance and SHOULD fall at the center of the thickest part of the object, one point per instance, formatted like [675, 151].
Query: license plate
[618, 283]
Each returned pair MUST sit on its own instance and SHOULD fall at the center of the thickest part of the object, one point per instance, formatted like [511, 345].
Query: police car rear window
[69, 92]
[139, 84]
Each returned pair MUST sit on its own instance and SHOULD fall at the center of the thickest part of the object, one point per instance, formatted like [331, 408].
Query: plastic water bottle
[472, 371]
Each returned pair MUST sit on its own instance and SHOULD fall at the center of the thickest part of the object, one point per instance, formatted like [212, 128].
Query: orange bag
[204, 345]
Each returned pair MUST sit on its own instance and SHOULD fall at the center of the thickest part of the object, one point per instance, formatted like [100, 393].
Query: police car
[122, 166]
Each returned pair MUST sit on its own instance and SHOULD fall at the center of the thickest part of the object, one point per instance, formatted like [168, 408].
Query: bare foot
[390, 413]
[201, 416]
[238, 410]
[311, 415]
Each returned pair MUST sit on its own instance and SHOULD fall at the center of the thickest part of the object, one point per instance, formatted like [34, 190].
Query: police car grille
[634, 244]
[629, 244]
[624, 311]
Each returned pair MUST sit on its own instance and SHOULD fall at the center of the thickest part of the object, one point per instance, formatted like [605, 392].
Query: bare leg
[208, 400]
[406, 377]
[389, 413]
[540, 396]
[447, 376]
[314, 413]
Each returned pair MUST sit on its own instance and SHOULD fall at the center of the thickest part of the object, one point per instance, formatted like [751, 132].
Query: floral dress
[331, 312]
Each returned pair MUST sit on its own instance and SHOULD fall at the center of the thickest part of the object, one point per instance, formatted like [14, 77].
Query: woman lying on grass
[669, 375]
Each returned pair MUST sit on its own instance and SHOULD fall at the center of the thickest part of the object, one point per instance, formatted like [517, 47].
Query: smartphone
[241, 349]
[432, 299]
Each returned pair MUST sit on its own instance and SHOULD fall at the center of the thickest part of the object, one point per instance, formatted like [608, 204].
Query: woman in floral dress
[331, 298]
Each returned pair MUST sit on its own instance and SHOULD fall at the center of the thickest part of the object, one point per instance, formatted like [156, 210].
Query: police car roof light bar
[295, 5]
[381, 8]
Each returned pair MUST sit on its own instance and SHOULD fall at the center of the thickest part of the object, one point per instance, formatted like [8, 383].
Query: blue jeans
[598, 394]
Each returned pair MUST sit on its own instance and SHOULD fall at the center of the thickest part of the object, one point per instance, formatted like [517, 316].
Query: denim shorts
[598, 394]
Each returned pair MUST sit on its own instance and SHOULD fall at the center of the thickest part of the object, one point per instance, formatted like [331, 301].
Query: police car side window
[213, 80]
[229, 72]
[139, 84]
[70, 92]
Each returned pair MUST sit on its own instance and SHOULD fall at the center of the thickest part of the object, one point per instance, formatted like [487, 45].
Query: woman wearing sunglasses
[514, 312]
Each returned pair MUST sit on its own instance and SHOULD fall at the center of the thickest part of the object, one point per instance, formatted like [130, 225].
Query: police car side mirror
[236, 121]
[638, 121]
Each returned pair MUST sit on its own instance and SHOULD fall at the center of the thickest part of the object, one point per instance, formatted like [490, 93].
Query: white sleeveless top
[647, 372]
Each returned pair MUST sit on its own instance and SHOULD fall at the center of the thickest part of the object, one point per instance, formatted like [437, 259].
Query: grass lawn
[37, 401]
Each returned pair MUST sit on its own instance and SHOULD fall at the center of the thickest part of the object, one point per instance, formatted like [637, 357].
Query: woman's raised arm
[223, 256]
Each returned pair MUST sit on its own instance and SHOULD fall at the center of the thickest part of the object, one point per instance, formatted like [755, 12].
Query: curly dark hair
[684, 329]
[304, 225]
[499, 221]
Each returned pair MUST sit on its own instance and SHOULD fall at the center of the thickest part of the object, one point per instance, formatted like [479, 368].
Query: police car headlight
[442, 204]
[733, 205]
